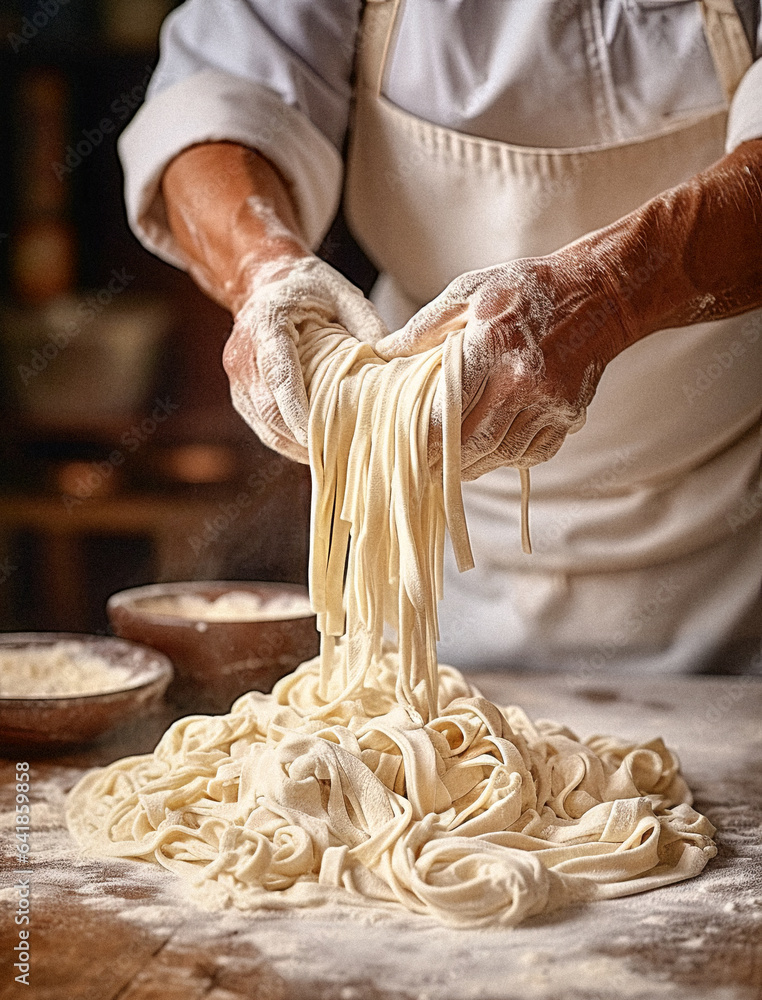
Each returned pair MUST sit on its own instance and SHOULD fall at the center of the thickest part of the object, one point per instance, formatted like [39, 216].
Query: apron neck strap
[727, 43]
[376, 33]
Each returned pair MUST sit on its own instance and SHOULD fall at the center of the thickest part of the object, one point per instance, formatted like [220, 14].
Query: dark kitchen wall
[122, 460]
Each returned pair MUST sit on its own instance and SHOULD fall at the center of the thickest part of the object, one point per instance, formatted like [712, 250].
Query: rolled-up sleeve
[271, 76]
[745, 118]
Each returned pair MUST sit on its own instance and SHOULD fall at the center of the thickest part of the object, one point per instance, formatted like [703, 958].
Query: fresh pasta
[372, 774]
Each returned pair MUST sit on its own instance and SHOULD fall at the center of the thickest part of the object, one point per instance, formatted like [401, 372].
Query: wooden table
[123, 931]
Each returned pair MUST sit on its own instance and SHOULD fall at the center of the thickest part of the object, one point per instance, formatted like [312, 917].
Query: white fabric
[645, 498]
[212, 106]
[746, 109]
[513, 201]
[611, 70]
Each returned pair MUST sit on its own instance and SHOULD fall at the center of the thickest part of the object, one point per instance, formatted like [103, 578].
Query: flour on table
[372, 774]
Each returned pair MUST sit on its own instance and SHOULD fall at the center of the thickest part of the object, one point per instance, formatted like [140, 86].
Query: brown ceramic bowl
[216, 661]
[50, 723]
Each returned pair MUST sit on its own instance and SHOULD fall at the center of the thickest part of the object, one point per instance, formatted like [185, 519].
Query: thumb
[428, 328]
[358, 316]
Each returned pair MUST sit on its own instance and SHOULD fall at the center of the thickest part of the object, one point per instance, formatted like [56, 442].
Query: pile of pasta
[372, 774]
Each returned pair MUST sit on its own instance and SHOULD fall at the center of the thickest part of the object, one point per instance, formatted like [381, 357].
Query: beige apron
[646, 525]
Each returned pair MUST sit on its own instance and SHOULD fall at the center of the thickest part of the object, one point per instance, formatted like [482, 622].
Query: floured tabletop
[120, 930]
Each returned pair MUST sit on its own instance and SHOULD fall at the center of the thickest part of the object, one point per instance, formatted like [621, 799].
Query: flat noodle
[526, 542]
[372, 775]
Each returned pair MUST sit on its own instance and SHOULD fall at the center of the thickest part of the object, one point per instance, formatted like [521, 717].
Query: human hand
[261, 356]
[537, 335]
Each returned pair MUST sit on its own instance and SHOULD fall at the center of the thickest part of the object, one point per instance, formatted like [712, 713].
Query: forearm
[231, 213]
[692, 254]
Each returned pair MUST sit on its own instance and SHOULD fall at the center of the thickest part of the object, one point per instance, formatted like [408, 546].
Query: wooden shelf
[169, 523]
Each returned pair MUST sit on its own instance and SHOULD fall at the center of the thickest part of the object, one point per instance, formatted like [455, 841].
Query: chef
[575, 183]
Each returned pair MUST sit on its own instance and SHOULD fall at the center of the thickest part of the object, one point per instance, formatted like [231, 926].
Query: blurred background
[122, 460]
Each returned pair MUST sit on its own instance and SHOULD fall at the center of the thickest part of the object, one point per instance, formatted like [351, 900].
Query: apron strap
[376, 33]
[727, 43]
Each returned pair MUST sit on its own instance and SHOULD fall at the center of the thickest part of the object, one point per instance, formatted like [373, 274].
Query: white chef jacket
[276, 77]
[582, 74]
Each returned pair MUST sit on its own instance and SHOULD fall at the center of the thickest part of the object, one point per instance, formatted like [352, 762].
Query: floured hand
[261, 356]
[538, 334]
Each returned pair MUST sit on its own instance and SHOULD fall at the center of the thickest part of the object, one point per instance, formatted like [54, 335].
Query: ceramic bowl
[216, 661]
[50, 722]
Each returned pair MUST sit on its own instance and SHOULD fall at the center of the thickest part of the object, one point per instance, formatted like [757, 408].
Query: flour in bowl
[63, 669]
[234, 606]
